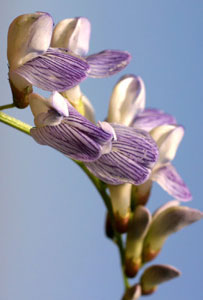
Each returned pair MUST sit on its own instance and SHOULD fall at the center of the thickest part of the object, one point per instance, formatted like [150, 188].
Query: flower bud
[137, 230]
[108, 227]
[155, 275]
[133, 293]
[141, 193]
[167, 220]
[120, 199]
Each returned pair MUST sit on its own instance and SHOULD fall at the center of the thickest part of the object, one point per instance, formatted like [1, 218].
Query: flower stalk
[6, 106]
[15, 123]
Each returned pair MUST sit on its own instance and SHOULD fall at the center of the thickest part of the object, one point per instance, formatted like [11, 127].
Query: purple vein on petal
[57, 69]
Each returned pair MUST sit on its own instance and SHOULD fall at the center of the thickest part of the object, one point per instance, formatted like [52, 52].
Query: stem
[100, 186]
[6, 106]
[17, 124]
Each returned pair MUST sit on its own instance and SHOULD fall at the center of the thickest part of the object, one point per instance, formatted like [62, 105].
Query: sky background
[52, 238]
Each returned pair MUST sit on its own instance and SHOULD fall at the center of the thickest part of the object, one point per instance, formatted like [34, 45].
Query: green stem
[17, 124]
[100, 186]
[6, 106]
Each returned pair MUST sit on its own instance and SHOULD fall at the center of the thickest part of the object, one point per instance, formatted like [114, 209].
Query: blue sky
[51, 218]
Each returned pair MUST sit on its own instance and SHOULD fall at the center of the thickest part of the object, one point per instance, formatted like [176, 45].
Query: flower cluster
[128, 152]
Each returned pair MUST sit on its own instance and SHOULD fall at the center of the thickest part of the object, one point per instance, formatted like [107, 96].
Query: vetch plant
[122, 155]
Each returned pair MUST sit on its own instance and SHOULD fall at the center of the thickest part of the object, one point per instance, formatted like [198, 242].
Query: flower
[137, 230]
[155, 275]
[33, 62]
[74, 35]
[127, 106]
[132, 156]
[147, 234]
[167, 220]
[168, 138]
[113, 153]
[60, 126]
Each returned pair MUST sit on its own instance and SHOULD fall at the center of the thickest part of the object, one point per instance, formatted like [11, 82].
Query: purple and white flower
[113, 153]
[167, 220]
[74, 35]
[127, 106]
[33, 62]
[155, 275]
[168, 138]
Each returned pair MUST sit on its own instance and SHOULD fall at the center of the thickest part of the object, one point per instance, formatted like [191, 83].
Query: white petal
[127, 99]
[38, 104]
[168, 138]
[165, 206]
[41, 105]
[29, 35]
[73, 34]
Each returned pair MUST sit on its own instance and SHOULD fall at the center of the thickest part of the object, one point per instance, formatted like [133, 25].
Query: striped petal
[168, 178]
[127, 100]
[151, 118]
[55, 70]
[107, 63]
[133, 154]
[67, 131]
[136, 144]
[73, 34]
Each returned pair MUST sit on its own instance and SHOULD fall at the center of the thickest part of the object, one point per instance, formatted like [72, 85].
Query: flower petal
[165, 206]
[133, 293]
[168, 178]
[29, 35]
[56, 70]
[133, 154]
[168, 138]
[136, 144]
[48, 111]
[151, 118]
[73, 34]
[75, 136]
[107, 63]
[137, 231]
[68, 140]
[127, 100]
[166, 222]
[156, 275]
